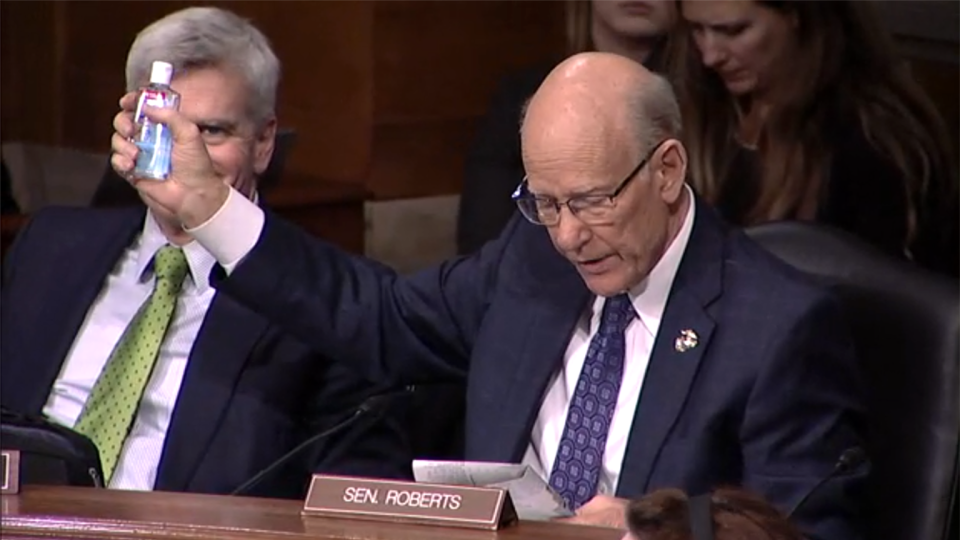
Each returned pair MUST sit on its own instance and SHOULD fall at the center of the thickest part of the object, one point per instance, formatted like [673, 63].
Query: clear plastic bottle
[155, 140]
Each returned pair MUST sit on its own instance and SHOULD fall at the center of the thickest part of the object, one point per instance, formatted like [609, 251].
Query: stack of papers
[532, 497]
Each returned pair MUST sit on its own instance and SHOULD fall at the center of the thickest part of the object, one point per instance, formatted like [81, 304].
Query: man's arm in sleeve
[805, 409]
[394, 329]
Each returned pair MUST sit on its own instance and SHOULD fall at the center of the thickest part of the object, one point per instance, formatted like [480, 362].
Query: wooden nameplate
[409, 502]
[9, 471]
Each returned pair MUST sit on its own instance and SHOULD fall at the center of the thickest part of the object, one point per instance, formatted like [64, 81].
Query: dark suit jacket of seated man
[717, 363]
[768, 397]
[217, 409]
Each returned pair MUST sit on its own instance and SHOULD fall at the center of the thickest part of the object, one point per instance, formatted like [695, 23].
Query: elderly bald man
[618, 337]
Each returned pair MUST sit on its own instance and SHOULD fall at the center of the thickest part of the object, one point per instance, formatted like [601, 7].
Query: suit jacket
[250, 393]
[769, 398]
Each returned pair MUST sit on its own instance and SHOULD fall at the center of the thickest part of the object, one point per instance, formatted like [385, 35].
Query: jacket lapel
[224, 345]
[551, 315]
[69, 297]
[671, 371]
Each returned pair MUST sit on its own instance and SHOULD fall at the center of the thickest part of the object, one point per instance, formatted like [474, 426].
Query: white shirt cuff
[231, 233]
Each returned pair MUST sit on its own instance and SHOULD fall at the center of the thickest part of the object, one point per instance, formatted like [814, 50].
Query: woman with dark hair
[802, 110]
[494, 168]
[734, 515]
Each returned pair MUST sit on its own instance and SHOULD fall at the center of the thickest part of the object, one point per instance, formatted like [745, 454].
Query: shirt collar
[650, 296]
[199, 260]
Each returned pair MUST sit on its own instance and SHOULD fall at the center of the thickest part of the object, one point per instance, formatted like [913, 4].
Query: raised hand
[194, 191]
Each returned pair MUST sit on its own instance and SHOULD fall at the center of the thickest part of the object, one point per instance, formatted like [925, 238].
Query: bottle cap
[161, 73]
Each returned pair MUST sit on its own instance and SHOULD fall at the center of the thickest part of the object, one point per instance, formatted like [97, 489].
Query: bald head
[606, 95]
[600, 137]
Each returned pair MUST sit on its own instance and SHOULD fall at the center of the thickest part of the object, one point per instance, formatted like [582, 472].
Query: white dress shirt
[127, 287]
[235, 228]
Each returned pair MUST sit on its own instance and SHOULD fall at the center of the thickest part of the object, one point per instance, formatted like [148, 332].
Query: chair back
[906, 329]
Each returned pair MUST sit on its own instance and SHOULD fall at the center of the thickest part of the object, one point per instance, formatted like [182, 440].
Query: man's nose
[570, 233]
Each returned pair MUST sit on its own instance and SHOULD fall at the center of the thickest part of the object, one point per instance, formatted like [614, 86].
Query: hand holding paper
[532, 497]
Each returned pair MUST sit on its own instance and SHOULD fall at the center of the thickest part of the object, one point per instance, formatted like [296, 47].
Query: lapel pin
[687, 340]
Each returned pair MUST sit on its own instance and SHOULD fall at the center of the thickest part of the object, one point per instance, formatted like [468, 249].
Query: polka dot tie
[579, 460]
[108, 414]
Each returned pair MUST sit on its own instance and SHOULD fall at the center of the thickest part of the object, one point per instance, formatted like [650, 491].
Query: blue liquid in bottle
[155, 140]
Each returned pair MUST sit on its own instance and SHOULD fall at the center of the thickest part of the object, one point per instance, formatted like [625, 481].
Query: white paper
[532, 497]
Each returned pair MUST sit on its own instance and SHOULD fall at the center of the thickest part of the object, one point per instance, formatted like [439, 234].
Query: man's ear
[263, 145]
[672, 170]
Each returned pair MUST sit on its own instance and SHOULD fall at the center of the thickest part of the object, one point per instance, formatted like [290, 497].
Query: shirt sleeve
[230, 234]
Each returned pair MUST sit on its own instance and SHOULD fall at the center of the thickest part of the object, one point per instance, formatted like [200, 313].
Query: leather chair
[906, 327]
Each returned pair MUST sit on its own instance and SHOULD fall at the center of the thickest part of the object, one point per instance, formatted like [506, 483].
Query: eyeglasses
[593, 209]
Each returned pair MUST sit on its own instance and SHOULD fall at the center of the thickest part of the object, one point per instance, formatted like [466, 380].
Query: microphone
[375, 404]
[850, 459]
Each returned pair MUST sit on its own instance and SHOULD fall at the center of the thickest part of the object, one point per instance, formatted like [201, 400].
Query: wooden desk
[75, 513]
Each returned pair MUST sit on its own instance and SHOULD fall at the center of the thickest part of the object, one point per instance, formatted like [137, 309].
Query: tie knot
[617, 313]
[170, 264]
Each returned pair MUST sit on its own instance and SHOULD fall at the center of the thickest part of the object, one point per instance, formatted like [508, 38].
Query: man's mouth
[596, 265]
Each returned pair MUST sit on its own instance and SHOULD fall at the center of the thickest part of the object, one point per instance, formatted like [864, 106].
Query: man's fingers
[183, 130]
[123, 165]
[129, 101]
[123, 124]
[124, 155]
[122, 146]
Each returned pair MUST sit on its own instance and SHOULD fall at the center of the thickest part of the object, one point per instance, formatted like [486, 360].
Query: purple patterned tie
[576, 470]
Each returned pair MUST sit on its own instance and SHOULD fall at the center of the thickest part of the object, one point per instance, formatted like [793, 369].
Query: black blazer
[769, 398]
[250, 392]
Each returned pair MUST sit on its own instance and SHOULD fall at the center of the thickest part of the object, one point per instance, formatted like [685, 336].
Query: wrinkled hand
[601, 511]
[194, 191]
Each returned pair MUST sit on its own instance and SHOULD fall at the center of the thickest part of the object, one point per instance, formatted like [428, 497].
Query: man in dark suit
[649, 346]
[110, 326]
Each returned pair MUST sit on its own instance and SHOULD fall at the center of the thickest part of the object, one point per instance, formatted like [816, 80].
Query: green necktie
[112, 405]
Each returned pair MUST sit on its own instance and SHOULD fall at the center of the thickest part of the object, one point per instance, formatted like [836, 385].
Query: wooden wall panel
[29, 70]
[385, 94]
[436, 65]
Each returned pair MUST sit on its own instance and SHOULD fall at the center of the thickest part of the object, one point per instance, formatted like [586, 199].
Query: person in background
[735, 514]
[214, 393]
[804, 111]
[493, 166]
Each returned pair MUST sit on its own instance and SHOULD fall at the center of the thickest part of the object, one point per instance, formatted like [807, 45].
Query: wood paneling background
[381, 93]
[436, 64]
[384, 95]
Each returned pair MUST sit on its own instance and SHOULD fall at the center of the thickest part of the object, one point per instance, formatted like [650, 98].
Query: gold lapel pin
[687, 340]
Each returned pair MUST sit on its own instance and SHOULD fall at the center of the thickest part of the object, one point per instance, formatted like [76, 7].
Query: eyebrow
[228, 125]
[722, 26]
[596, 190]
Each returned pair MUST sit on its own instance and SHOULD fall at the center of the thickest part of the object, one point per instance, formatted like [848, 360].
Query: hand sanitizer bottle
[155, 140]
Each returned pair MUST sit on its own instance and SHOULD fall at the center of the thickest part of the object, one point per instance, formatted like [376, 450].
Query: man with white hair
[619, 339]
[110, 326]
